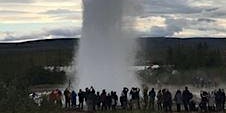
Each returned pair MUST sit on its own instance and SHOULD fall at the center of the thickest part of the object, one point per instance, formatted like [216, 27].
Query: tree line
[198, 56]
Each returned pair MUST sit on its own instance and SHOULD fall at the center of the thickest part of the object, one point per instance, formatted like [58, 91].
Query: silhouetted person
[159, 100]
[204, 101]
[222, 99]
[167, 101]
[178, 100]
[73, 99]
[211, 103]
[125, 98]
[89, 100]
[114, 100]
[98, 100]
[135, 98]
[152, 95]
[187, 96]
[218, 99]
[109, 101]
[67, 95]
[81, 97]
[145, 96]
[93, 98]
[103, 98]
[123, 101]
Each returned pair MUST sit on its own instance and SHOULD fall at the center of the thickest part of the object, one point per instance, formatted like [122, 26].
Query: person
[81, 97]
[93, 98]
[125, 94]
[204, 101]
[123, 101]
[67, 95]
[98, 101]
[138, 97]
[211, 103]
[89, 100]
[152, 95]
[103, 98]
[109, 101]
[59, 97]
[145, 97]
[114, 100]
[167, 100]
[218, 100]
[73, 99]
[135, 98]
[159, 100]
[178, 100]
[187, 96]
[222, 99]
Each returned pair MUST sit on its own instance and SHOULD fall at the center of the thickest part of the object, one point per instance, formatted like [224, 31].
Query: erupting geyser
[105, 47]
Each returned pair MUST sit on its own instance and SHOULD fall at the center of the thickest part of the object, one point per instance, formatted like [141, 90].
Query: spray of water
[106, 46]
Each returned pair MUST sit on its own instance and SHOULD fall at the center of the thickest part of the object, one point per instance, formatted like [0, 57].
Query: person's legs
[178, 107]
[186, 106]
[159, 107]
[152, 105]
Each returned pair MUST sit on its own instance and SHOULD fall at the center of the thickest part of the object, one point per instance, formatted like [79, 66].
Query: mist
[106, 47]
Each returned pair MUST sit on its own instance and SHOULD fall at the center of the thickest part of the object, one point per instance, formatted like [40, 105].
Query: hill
[60, 52]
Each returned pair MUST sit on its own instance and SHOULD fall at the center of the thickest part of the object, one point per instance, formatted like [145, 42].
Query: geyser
[105, 52]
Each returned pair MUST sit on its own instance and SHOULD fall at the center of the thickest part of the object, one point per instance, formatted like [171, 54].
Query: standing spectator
[103, 98]
[98, 100]
[218, 100]
[204, 101]
[125, 93]
[81, 97]
[212, 102]
[159, 100]
[73, 99]
[123, 101]
[145, 97]
[109, 101]
[67, 95]
[114, 100]
[222, 99]
[167, 101]
[187, 96]
[179, 100]
[135, 98]
[152, 95]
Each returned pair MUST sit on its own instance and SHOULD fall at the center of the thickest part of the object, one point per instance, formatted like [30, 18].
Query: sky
[22, 20]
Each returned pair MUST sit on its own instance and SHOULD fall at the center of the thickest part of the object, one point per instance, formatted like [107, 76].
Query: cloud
[60, 11]
[65, 32]
[153, 17]
[170, 7]
[206, 20]
[5, 12]
[172, 26]
[16, 1]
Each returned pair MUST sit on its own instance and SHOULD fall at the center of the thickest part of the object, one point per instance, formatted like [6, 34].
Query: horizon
[46, 39]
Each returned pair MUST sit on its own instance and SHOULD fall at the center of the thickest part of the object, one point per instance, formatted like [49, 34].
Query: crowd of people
[162, 100]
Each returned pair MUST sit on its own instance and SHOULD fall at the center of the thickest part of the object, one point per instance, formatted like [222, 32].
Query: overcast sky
[41, 19]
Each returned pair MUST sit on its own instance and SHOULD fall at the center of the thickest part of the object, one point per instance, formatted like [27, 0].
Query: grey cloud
[60, 11]
[172, 26]
[70, 32]
[211, 9]
[66, 32]
[12, 12]
[206, 20]
[170, 7]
